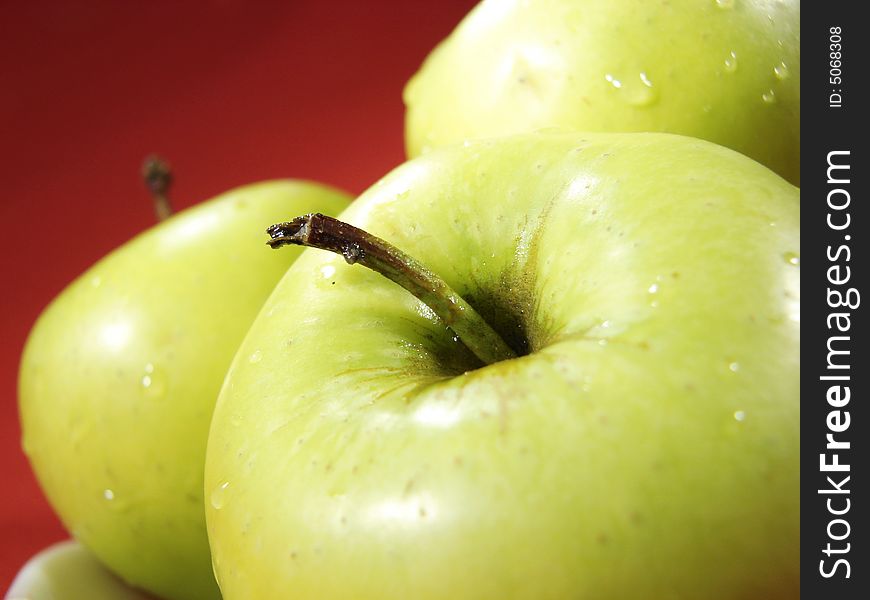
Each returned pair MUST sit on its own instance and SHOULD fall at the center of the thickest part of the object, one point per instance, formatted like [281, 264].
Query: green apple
[727, 71]
[644, 444]
[121, 372]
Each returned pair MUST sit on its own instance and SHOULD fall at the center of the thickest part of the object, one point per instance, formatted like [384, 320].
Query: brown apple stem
[360, 247]
[158, 178]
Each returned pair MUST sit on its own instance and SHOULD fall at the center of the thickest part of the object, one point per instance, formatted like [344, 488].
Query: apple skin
[121, 372]
[727, 71]
[646, 447]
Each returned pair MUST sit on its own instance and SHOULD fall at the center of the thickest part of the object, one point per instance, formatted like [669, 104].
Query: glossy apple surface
[121, 372]
[645, 445]
[727, 71]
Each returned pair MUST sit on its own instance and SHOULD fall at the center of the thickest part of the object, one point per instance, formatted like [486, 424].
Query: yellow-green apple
[595, 395]
[722, 70]
[121, 372]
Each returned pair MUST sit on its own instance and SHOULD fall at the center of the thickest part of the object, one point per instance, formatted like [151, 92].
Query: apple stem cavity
[157, 176]
[360, 247]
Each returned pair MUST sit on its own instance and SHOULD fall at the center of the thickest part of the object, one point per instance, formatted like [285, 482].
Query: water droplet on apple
[654, 288]
[731, 62]
[725, 4]
[769, 97]
[639, 92]
[792, 259]
[153, 382]
[108, 494]
[644, 94]
[781, 71]
[739, 415]
[115, 504]
[613, 81]
[218, 496]
[255, 357]
[327, 271]
[734, 367]
[96, 281]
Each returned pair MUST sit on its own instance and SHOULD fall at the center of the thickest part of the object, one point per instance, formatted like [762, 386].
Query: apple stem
[360, 247]
[158, 178]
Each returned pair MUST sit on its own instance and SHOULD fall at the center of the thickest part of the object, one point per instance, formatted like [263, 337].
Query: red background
[230, 91]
